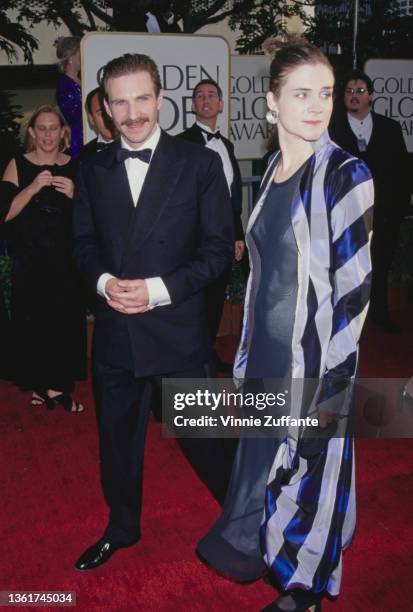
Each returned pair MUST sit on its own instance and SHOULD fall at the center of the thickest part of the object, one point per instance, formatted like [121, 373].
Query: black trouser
[383, 246]
[215, 298]
[123, 403]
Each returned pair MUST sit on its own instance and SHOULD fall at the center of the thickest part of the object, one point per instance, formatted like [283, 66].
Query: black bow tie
[143, 154]
[211, 135]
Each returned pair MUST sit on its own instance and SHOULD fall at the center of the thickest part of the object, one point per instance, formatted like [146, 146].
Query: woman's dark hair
[287, 55]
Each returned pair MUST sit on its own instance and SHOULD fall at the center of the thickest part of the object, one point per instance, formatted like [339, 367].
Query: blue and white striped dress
[309, 515]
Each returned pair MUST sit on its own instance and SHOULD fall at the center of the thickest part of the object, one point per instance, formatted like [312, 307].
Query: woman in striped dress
[290, 507]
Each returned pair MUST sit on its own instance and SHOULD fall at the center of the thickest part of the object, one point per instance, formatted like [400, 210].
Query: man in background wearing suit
[101, 123]
[379, 142]
[152, 228]
[207, 104]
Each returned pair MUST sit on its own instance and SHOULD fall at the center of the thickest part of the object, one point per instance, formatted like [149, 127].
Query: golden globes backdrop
[183, 60]
[249, 130]
[393, 92]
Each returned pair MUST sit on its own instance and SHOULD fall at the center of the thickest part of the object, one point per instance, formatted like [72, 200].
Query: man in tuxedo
[100, 121]
[152, 228]
[379, 142]
[207, 104]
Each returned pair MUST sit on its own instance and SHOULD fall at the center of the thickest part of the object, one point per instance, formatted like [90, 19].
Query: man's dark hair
[88, 102]
[359, 75]
[129, 63]
[207, 82]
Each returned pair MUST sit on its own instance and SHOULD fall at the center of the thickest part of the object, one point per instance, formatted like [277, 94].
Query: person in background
[47, 309]
[207, 104]
[290, 506]
[379, 142]
[68, 89]
[144, 16]
[100, 122]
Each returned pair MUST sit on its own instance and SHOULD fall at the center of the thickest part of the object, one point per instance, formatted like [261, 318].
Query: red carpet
[51, 509]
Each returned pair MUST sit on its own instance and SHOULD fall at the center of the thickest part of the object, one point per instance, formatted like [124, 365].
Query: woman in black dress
[48, 315]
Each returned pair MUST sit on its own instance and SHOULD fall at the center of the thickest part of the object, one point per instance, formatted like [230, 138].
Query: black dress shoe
[98, 554]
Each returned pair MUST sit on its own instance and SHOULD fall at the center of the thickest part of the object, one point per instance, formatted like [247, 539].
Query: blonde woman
[48, 318]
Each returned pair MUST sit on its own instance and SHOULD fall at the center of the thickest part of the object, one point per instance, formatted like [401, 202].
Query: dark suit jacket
[194, 134]
[387, 158]
[89, 149]
[180, 230]
[92, 147]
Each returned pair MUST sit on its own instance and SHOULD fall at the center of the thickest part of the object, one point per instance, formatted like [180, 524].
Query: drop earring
[271, 117]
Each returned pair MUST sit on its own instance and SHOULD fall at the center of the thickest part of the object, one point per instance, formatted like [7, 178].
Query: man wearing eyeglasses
[207, 104]
[379, 142]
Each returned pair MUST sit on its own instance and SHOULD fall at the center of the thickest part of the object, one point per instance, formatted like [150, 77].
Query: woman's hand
[43, 179]
[64, 185]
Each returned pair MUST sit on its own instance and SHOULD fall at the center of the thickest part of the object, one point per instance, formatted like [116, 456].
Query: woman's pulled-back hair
[289, 53]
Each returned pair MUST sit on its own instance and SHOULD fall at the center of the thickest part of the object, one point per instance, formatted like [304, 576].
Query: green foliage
[382, 30]
[9, 128]
[260, 19]
[9, 113]
[13, 35]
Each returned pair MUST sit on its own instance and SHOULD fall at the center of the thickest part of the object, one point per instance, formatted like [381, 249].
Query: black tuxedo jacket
[90, 148]
[180, 230]
[386, 156]
[194, 134]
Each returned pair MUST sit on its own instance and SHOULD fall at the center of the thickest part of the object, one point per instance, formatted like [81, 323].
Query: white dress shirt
[361, 129]
[217, 145]
[152, 24]
[101, 140]
[136, 170]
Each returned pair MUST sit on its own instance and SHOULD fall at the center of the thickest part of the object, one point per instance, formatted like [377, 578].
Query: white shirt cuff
[103, 279]
[158, 293]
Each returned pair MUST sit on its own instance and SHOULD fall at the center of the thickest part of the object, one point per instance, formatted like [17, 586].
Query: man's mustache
[132, 122]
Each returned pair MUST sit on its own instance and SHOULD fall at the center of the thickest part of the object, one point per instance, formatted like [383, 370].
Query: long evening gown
[232, 546]
[48, 313]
